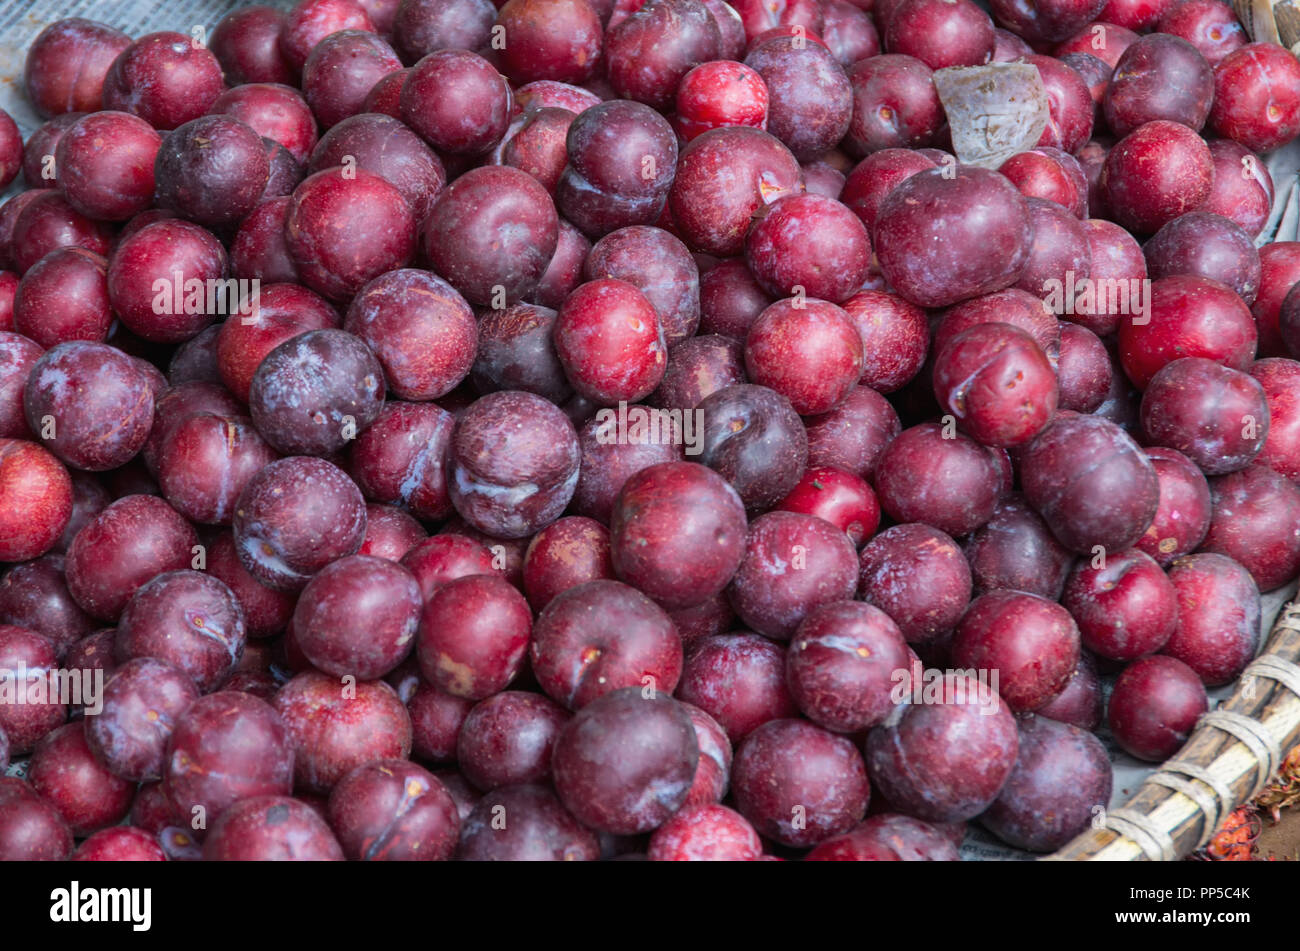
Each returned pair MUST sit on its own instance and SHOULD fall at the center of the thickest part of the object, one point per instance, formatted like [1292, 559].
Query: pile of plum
[328, 343]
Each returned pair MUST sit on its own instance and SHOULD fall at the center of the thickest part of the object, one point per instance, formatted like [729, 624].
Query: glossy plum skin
[577, 658]
[1125, 609]
[922, 221]
[895, 338]
[155, 253]
[30, 828]
[616, 749]
[473, 636]
[275, 111]
[660, 267]
[1217, 416]
[92, 404]
[314, 393]
[1218, 617]
[35, 500]
[895, 105]
[1280, 379]
[212, 170]
[1209, 246]
[622, 156]
[105, 165]
[705, 833]
[516, 352]
[259, 249]
[65, 774]
[25, 724]
[1114, 256]
[1080, 703]
[720, 93]
[205, 462]
[1254, 521]
[64, 297]
[358, 616]
[1183, 515]
[1189, 316]
[399, 460]
[810, 98]
[189, 619]
[271, 828]
[1015, 549]
[808, 351]
[1110, 504]
[1154, 706]
[66, 65]
[713, 213]
[1255, 98]
[392, 810]
[124, 547]
[998, 382]
[335, 725]
[46, 222]
[786, 764]
[310, 21]
[164, 79]
[940, 33]
[698, 368]
[915, 762]
[793, 563]
[141, 703]
[653, 48]
[677, 533]
[853, 436]
[283, 311]
[18, 354]
[341, 70]
[295, 517]
[247, 44]
[842, 665]
[225, 747]
[345, 227]
[1159, 77]
[887, 837]
[34, 595]
[951, 484]
[512, 464]
[382, 145]
[561, 41]
[610, 342]
[1144, 195]
[540, 829]
[491, 234]
[1032, 644]
[838, 497]
[1083, 369]
[754, 438]
[730, 299]
[420, 329]
[739, 680]
[1062, 774]
[508, 739]
[456, 101]
[120, 844]
[918, 576]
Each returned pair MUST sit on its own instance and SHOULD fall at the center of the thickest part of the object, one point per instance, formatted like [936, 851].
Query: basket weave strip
[1227, 759]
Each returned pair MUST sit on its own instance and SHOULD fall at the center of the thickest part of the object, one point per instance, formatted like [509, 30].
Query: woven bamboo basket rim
[1223, 765]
